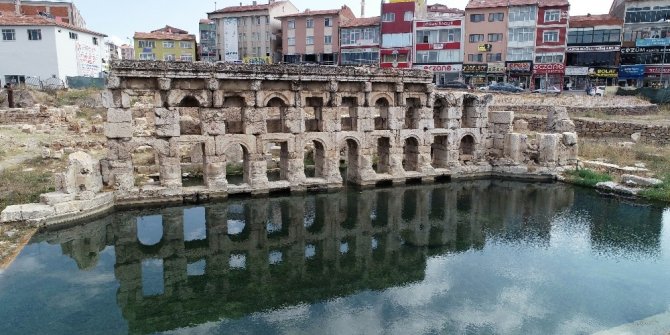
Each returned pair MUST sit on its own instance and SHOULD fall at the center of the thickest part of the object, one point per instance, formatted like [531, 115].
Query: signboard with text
[631, 71]
[603, 73]
[519, 67]
[484, 47]
[594, 48]
[576, 71]
[230, 40]
[549, 68]
[496, 68]
[475, 68]
[652, 42]
[430, 24]
[657, 70]
[450, 68]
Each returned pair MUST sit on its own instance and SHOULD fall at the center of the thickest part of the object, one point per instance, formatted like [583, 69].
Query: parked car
[598, 91]
[455, 85]
[505, 87]
[549, 90]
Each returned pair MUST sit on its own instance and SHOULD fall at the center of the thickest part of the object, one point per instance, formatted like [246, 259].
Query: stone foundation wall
[39, 115]
[659, 135]
[580, 111]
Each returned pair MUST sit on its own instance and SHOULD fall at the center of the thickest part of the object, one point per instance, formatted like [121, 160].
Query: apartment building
[521, 32]
[485, 41]
[359, 41]
[439, 47]
[127, 52]
[60, 11]
[312, 36]
[166, 44]
[593, 52]
[397, 29]
[550, 43]
[646, 40]
[207, 44]
[250, 33]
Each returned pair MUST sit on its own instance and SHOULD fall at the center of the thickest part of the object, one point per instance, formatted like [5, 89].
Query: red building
[397, 22]
[439, 47]
[551, 43]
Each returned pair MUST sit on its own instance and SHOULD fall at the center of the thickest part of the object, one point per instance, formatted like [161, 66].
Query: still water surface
[482, 257]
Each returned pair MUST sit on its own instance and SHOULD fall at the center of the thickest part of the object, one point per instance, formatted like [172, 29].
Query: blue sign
[631, 71]
[652, 42]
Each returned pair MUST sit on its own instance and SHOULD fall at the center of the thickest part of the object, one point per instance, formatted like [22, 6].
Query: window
[497, 57]
[168, 44]
[552, 16]
[358, 56]
[474, 38]
[400, 58]
[147, 56]
[516, 54]
[146, 44]
[495, 37]
[648, 15]
[439, 56]
[476, 58]
[589, 35]
[258, 20]
[310, 23]
[34, 34]
[186, 58]
[548, 58]
[309, 40]
[522, 13]
[267, 19]
[95, 41]
[291, 24]
[291, 41]
[550, 36]
[493, 17]
[169, 58]
[74, 36]
[185, 45]
[359, 36]
[397, 40]
[267, 36]
[328, 22]
[476, 17]
[522, 34]
[328, 40]
[388, 17]
[409, 16]
[9, 35]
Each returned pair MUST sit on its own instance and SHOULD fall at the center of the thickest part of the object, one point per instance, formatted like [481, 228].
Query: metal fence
[85, 82]
[655, 95]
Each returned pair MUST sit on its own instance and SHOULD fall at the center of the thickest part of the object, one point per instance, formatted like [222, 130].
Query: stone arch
[235, 170]
[389, 98]
[467, 148]
[275, 97]
[439, 151]
[317, 157]
[412, 113]
[470, 107]
[383, 159]
[189, 101]
[234, 101]
[382, 105]
[411, 153]
[276, 113]
[352, 146]
[440, 113]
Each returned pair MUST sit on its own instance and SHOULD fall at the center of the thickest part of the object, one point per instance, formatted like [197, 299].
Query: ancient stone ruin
[197, 131]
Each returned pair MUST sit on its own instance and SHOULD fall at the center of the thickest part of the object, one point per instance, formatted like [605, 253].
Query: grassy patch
[655, 157]
[586, 177]
[20, 187]
[660, 192]
[75, 97]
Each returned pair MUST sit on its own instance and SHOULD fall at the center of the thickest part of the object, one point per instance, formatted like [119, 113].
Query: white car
[598, 91]
[551, 89]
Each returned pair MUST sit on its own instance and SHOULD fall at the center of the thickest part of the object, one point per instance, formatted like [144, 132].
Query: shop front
[475, 74]
[657, 76]
[546, 75]
[631, 75]
[576, 78]
[443, 73]
[603, 76]
[519, 73]
[495, 73]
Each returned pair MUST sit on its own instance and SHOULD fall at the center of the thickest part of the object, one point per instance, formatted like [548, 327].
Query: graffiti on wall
[87, 60]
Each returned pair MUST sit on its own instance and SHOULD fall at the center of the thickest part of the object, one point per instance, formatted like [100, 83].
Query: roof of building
[164, 36]
[344, 10]
[26, 20]
[583, 21]
[474, 4]
[553, 3]
[523, 2]
[248, 8]
[170, 30]
[361, 22]
[206, 21]
[439, 8]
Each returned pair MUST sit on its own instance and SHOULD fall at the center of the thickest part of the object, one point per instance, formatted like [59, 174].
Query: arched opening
[195, 224]
[189, 101]
[383, 161]
[315, 160]
[467, 149]
[277, 156]
[237, 165]
[469, 118]
[349, 161]
[440, 114]
[234, 118]
[439, 151]
[313, 114]
[149, 230]
[350, 122]
[192, 160]
[146, 166]
[410, 160]
[412, 113]
[276, 115]
[382, 114]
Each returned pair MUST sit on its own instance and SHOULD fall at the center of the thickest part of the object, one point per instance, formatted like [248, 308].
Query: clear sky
[121, 18]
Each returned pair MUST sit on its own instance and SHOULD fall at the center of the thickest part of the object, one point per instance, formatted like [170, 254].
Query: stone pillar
[515, 147]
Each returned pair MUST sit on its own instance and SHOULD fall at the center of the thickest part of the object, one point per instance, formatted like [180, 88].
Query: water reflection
[230, 260]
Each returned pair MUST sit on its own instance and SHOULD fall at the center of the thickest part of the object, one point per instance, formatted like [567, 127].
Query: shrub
[586, 177]
[660, 192]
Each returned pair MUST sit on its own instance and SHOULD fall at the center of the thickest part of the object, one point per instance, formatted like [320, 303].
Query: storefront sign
[631, 71]
[519, 67]
[474, 68]
[640, 50]
[484, 48]
[576, 71]
[657, 70]
[595, 48]
[603, 73]
[652, 42]
[450, 68]
[496, 68]
[430, 24]
[550, 68]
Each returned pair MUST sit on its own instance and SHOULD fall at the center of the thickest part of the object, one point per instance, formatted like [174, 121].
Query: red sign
[656, 70]
[519, 67]
[430, 24]
[550, 68]
[438, 46]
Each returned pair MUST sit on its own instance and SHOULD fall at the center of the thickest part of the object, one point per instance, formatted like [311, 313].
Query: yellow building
[168, 44]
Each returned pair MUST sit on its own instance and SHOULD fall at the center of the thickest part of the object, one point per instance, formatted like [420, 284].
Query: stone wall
[39, 115]
[580, 111]
[651, 134]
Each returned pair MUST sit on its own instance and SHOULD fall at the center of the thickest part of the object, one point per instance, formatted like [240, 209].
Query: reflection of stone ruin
[195, 131]
[253, 255]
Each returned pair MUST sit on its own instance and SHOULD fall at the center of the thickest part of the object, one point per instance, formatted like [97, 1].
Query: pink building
[485, 41]
[313, 35]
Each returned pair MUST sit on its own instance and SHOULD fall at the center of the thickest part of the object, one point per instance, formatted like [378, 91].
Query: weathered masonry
[257, 129]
